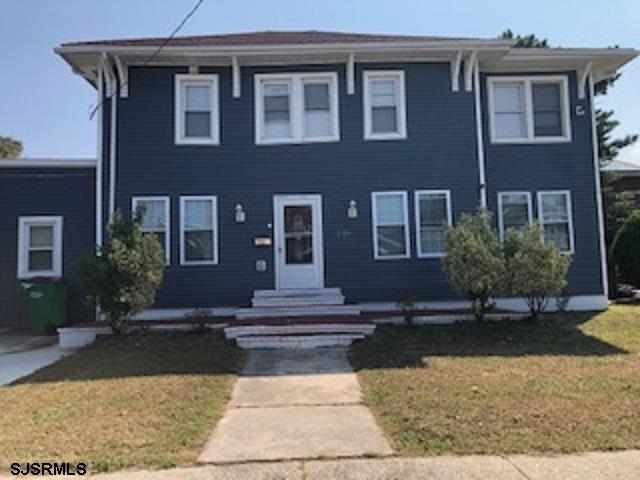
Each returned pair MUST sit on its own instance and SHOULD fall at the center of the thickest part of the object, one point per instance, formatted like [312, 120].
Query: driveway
[22, 353]
[296, 404]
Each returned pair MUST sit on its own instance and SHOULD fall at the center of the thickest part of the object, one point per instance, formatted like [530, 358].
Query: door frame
[315, 200]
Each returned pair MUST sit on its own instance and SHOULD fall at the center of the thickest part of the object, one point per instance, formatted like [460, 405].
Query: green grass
[139, 401]
[567, 384]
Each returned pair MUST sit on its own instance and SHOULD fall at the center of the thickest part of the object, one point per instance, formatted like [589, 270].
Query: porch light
[352, 211]
[240, 215]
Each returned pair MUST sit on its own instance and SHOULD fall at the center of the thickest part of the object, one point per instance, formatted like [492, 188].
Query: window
[196, 109]
[155, 219]
[39, 247]
[390, 225]
[384, 105]
[296, 108]
[514, 211]
[529, 110]
[433, 214]
[554, 212]
[198, 231]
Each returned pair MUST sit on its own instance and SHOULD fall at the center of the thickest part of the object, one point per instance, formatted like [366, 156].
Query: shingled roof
[269, 37]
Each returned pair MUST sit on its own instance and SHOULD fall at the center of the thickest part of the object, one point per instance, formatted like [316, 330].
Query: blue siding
[67, 192]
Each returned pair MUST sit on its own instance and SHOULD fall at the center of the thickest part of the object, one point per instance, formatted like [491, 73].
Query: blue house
[317, 170]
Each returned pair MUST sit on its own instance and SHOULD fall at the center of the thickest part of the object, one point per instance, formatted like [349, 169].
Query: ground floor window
[554, 213]
[514, 211]
[39, 247]
[433, 215]
[390, 225]
[198, 231]
[155, 219]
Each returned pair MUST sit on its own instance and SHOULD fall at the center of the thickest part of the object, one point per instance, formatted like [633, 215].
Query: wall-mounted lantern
[352, 211]
[240, 215]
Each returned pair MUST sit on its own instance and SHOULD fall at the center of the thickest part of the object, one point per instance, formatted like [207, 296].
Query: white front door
[299, 255]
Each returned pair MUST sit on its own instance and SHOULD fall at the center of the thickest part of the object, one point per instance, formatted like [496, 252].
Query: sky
[47, 107]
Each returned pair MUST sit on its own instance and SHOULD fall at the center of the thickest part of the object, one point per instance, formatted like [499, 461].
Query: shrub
[536, 269]
[626, 250]
[122, 278]
[474, 261]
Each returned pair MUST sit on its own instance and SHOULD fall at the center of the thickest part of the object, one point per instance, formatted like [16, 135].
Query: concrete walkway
[591, 466]
[295, 404]
[22, 354]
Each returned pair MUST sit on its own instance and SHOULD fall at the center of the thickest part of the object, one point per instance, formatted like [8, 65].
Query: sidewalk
[591, 466]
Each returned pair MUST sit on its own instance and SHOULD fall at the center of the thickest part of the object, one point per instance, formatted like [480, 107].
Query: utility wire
[153, 55]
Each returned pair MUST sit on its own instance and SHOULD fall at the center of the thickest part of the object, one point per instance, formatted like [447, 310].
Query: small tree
[10, 148]
[536, 269]
[626, 250]
[474, 261]
[123, 277]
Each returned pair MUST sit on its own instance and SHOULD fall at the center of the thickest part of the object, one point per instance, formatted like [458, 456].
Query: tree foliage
[525, 41]
[536, 269]
[10, 147]
[474, 261]
[626, 250]
[123, 277]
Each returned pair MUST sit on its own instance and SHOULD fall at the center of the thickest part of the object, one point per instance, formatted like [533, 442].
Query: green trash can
[46, 305]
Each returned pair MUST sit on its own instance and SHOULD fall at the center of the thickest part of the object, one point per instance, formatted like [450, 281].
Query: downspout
[112, 142]
[99, 155]
[479, 136]
[599, 209]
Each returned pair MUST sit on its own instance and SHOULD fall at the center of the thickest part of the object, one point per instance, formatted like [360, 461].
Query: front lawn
[569, 383]
[145, 401]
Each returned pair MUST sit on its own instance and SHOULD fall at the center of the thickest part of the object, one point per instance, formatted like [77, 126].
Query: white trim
[235, 76]
[583, 76]
[214, 218]
[296, 83]
[167, 212]
[180, 82]
[567, 195]
[113, 119]
[374, 224]
[49, 163]
[482, 181]
[500, 213]
[351, 74]
[417, 194]
[455, 71]
[398, 78]
[527, 82]
[99, 160]
[599, 208]
[24, 224]
[469, 68]
[123, 76]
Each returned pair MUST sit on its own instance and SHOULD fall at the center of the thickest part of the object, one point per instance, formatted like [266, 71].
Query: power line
[153, 55]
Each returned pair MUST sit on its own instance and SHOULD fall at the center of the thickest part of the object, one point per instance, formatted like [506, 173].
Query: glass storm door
[298, 241]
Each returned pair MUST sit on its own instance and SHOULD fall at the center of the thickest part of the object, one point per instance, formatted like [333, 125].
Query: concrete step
[232, 332]
[297, 341]
[296, 292]
[296, 301]
[297, 311]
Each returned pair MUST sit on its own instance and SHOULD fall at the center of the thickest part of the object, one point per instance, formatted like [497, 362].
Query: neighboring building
[316, 160]
[627, 176]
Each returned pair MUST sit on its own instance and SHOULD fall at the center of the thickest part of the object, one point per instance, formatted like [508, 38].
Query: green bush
[626, 250]
[474, 261]
[536, 269]
[123, 277]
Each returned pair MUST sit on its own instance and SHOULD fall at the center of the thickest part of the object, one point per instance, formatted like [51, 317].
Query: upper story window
[39, 247]
[197, 110]
[514, 211]
[554, 212]
[433, 215]
[155, 219]
[198, 231]
[390, 225]
[529, 109]
[384, 105]
[296, 108]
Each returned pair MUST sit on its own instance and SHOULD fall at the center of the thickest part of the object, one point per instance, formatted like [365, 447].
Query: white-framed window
[514, 211]
[390, 221]
[433, 215]
[556, 218]
[197, 110]
[155, 219]
[529, 109]
[39, 247]
[198, 230]
[296, 108]
[385, 116]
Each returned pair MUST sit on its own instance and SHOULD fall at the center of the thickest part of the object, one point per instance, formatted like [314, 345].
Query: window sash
[199, 239]
[429, 232]
[49, 251]
[384, 230]
[566, 244]
[506, 199]
[384, 105]
[161, 231]
[197, 109]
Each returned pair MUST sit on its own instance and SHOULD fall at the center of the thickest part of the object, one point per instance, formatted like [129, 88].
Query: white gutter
[599, 209]
[99, 157]
[48, 163]
[479, 136]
